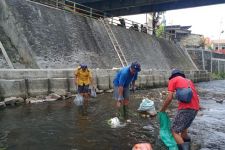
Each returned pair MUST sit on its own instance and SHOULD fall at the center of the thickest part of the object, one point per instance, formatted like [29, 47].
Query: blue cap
[83, 65]
[176, 72]
[135, 65]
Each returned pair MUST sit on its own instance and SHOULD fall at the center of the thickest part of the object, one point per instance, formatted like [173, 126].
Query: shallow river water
[61, 125]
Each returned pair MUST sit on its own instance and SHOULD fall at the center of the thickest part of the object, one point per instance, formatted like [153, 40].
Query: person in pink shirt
[186, 110]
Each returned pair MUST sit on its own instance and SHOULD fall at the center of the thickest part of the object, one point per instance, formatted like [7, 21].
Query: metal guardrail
[86, 11]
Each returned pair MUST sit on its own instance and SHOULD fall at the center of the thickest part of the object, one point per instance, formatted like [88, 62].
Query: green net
[165, 132]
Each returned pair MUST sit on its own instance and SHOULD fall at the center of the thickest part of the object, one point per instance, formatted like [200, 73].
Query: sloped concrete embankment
[12, 53]
[52, 38]
[56, 38]
[34, 82]
[10, 22]
[152, 52]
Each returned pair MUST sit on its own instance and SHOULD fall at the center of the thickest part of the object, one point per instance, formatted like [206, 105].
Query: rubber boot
[125, 112]
[188, 139]
[119, 113]
[184, 146]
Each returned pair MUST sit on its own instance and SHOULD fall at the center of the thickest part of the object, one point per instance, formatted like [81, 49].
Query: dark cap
[135, 65]
[83, 65]
[176, 72]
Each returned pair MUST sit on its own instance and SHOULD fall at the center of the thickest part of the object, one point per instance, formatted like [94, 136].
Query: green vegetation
[160, 31]
[218, 76]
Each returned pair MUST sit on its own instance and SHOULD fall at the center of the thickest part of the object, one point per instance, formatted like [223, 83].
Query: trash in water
[93, 92]
[148, 127]
[115, 123]
[148, 106]
[78, 100]
[128, 121]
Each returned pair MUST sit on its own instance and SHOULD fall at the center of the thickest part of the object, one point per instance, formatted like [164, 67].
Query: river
[61, 125]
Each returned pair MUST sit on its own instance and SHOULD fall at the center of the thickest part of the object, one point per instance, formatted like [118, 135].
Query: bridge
[129, 7]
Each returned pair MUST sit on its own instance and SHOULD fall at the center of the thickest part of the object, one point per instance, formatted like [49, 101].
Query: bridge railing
[86, 11]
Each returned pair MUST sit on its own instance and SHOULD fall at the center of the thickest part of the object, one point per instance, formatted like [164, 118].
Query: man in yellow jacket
[82, 79]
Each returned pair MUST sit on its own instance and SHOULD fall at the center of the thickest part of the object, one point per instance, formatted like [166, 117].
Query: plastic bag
[115, 123]
[93, 92]
[165, 132]
[147, 105]
[78, 100]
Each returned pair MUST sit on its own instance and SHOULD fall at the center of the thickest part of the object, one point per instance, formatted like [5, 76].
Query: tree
[155, 21]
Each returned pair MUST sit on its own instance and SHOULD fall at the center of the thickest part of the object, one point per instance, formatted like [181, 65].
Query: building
[177, 32]
[218, 45]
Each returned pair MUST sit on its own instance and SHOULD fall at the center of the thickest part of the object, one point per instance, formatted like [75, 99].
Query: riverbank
[27, 83]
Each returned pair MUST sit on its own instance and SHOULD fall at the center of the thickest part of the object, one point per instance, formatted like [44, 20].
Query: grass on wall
[218, 76]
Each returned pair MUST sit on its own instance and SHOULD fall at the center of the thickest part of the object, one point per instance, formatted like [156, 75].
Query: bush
[218, 76]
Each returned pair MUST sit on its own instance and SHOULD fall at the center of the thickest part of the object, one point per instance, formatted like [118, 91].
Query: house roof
[178, 27]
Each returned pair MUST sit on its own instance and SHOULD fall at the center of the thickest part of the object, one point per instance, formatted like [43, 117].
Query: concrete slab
[103, 82]
[59, 86]
[38, 87]
[10, 88]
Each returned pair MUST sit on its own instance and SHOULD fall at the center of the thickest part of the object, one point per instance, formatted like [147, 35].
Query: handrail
[115, 43]
[86, 11]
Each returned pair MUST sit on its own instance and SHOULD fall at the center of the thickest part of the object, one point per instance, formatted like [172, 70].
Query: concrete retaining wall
[26, 83]
[39, 86]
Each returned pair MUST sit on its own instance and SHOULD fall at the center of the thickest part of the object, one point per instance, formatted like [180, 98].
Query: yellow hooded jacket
[82, 77]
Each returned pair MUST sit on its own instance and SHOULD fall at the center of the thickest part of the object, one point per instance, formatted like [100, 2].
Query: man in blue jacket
[123, 79]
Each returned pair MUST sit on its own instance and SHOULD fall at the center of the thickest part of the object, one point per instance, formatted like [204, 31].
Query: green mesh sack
[165, 132]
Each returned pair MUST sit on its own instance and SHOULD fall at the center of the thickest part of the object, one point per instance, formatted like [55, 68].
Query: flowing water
[61, 125]
[208, 128]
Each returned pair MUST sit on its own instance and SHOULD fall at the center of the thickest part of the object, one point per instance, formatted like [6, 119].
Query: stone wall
[34, 82]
